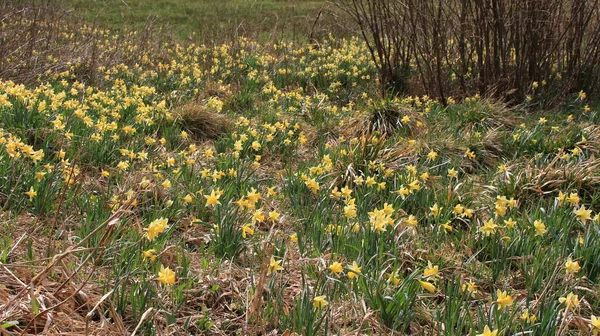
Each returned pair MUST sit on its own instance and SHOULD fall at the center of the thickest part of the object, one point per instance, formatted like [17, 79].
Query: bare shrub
[490, 47]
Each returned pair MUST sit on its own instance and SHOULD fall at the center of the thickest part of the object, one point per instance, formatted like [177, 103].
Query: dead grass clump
[201, 122]
[60, 308]
[490, 148]
[548, 179]
[592, 142]
[46, 296]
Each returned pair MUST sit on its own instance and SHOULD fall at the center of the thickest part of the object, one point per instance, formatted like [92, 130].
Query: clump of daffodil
[350, 208]
[381, 218]
[503, 204]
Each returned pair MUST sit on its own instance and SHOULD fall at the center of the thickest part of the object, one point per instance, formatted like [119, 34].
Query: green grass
[207, 20]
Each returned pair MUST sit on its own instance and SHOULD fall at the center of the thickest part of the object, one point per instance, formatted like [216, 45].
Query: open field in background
[157, 186]
[213, 21]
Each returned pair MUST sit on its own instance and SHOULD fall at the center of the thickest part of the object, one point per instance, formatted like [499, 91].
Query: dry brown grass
[201, 122]
[546, 180]
[46, 296]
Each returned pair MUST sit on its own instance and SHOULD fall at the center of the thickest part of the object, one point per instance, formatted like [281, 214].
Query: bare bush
[490, 47]
[382, 27]
[38, 41]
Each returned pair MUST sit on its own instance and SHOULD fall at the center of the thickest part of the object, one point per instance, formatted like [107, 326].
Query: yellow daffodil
[274, 265]
[583, 214]
[155, 228]
[319, 302]
[470, 286]
[411, 221]
[274, 216]
[31, 193]
[503, 299]
[458, 209]
[432, 155]
[510, 223]
[431, 270]
[573, 199]
[354, 270]
[336, 267]
[187, 198]
[428, 286]
[528, 317]
[595, 325]
[258, 216]
[247, 230]
[571, 300]
[312, 185]
[394, 279]
[212, 199]
[571, 266]
[435, 210]
[488, 228]
[488, 332]
[540, 228]
[166, 276]
[149, 254]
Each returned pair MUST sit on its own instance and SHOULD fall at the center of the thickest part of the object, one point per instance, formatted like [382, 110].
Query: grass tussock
[202, 122]
[553, 174]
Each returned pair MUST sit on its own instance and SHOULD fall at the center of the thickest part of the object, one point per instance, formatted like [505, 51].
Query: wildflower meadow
[153, 185]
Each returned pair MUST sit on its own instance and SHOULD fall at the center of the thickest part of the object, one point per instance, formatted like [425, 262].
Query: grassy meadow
[152, 185]
[212, 21]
